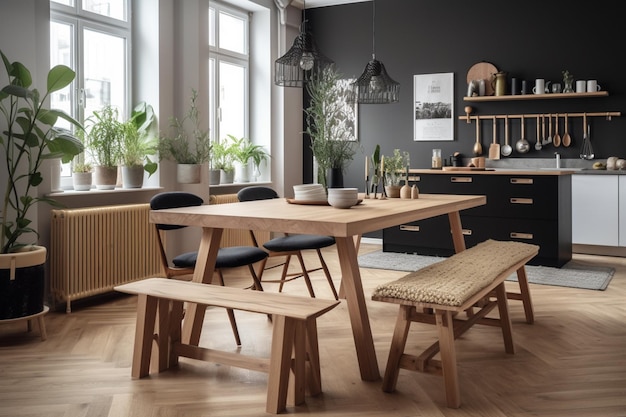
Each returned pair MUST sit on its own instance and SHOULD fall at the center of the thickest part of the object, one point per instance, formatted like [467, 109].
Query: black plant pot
[23, 294]
[334, 178]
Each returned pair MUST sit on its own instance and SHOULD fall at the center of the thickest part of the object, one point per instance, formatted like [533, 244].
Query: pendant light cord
[373, 30]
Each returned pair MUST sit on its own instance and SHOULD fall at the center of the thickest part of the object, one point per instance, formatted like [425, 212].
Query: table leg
[203, 272]
[355, 298]
[457, 231]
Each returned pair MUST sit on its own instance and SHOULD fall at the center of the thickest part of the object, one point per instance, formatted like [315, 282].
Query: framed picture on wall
[434, 107]
[350, 107]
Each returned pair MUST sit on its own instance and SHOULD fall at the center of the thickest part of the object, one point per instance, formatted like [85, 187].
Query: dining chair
[184, 264]
[290, 245]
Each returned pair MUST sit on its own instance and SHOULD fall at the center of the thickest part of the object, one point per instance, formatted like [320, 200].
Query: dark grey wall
[536, 39]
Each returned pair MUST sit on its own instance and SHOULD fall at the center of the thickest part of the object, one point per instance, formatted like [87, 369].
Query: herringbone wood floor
[570, 363]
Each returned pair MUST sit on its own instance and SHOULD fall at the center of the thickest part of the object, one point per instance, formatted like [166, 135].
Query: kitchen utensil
[506, 149]
[557, 138]
[482, 71]
[494, 148]
[522, 145]
[538, 143]
[586, 151]
[550, 129]
[567, 139]
[478, 149]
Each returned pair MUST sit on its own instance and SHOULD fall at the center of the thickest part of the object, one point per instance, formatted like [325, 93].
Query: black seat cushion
[298, 242]
[230, 257]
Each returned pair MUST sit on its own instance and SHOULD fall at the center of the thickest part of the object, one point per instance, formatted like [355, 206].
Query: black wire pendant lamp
[301, 62]
[375, 86]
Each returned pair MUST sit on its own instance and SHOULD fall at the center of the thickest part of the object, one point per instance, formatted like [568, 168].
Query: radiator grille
[236, 237]
[94, 249]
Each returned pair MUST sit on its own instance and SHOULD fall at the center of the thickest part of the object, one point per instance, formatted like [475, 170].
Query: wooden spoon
[478, 149]
[567, 140]
[494, 148]
[557, 138]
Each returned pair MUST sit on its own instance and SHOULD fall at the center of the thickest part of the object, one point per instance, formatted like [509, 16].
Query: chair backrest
[256, 192]
[173, 199]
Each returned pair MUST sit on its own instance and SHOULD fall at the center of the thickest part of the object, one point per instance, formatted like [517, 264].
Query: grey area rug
[572, 274]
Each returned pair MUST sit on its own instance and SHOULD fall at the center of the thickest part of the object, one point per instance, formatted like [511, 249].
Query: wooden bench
[294, 337]
[436, 294]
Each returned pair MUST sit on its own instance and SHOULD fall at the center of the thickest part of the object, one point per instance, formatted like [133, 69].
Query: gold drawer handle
[461, 179]
[521, 180]
[466, 232]
[515, 200]
[521, 235]
[409, 228]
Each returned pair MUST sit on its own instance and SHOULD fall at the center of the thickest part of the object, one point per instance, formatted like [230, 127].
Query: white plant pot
[242, 172]
[227, 177]
[55, 175]
[189, 173]
[82, 181]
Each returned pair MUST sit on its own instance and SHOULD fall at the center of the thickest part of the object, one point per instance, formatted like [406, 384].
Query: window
[228, 65]
[93, 38]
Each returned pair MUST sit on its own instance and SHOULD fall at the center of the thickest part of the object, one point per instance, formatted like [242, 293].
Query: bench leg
[445, 328]
[505, 319]
[522, 279]
[160, 349]
[314, 376]
[283, 334]
[398, 343]
[297, 384]
[144, 332]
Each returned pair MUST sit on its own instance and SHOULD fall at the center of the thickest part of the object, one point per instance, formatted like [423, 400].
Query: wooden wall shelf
[536, 96]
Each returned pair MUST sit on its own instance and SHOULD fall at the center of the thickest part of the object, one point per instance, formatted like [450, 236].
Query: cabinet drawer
[526, 197]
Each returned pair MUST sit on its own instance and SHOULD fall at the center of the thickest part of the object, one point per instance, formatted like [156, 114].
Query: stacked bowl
[343, 197]
[309, 192]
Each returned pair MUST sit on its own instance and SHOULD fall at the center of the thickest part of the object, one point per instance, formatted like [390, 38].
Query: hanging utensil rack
[606, 114]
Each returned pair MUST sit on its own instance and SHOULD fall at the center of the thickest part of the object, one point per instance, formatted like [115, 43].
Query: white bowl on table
[343, 197]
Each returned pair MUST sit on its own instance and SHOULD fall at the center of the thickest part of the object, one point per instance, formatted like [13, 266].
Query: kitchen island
[526, 205]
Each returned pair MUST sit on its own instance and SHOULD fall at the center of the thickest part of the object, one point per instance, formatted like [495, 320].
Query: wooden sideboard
[526, 206]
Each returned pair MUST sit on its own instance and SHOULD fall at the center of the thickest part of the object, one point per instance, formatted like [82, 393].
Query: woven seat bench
[469, 280]
[294, 334]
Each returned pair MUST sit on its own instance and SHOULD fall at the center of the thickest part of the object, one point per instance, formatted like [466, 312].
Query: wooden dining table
[281, 215]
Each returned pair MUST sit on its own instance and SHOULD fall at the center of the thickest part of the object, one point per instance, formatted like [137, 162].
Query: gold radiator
[236, 237]
[94, 249]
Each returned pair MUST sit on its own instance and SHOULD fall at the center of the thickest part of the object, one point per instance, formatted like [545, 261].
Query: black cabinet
[527, 208]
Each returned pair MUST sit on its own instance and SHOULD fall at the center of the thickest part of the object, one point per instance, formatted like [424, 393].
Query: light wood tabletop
[278, 215]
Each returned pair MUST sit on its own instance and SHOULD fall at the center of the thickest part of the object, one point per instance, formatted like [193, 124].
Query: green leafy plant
[81, 167]
[225, 153]
[138, 142]
[105, 133]
[332, 138]
[246, 151]
[29, 136]
[395, 166]
[188, 142]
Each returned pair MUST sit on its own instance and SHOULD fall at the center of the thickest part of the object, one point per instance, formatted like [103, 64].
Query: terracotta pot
[393, 191]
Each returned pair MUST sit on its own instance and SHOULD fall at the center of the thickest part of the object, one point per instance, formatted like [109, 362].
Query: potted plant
[188, 144]
[103, 142]
[82, 176]
[394, 169]
[245, 153]
[28, 138]
[223, 158]
[332, 139]
[137, 145]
